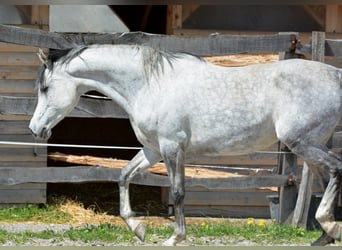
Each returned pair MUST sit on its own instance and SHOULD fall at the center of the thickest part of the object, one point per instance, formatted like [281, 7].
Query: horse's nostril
[33, 133]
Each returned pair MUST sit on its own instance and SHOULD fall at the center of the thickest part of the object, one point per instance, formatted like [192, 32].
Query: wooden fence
[199, 45]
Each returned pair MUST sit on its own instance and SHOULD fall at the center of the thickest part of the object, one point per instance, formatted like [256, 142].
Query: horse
[180, 105]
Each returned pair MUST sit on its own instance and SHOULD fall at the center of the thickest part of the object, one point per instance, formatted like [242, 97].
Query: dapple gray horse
[180, 105]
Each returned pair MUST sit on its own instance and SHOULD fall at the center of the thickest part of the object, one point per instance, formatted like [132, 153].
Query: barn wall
[18, 69]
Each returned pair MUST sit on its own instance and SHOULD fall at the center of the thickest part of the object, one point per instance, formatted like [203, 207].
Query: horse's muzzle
[43, 134]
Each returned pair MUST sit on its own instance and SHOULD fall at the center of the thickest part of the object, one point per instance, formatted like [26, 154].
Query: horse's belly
[216, 143]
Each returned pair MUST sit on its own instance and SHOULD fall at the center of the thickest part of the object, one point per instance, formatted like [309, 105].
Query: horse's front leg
[143, 160]
[173, 157]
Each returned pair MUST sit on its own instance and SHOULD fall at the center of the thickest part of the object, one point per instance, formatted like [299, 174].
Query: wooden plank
[23, 187]
[18, 72]
[19, 59]
[23, 164]
[14, 127]
[9, 47]
[8, 87]
[194, 171]
[198, 45]
[17, 137]
[86, 107]
[227, 211]
[23, 196]
[11, 117]
[203, 2]
[12, 176]
[250, 199]
[22, 155]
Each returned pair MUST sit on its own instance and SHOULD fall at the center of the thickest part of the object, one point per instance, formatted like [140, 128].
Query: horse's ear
[44, 58]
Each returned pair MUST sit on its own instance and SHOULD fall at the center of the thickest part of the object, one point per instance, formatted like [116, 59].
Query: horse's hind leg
[318, 156]
[173, 156]
[143, 160]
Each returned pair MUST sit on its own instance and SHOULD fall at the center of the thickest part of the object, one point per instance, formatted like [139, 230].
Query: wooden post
[288, 164]
[174, 18]
[318, 46]
[301, 211]
[305, 189]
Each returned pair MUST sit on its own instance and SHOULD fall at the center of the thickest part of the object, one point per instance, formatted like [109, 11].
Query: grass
[257, 231]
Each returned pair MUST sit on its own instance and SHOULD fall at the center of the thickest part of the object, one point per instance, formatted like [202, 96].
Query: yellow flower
[262, 223]
[250, 221]
[203, 224]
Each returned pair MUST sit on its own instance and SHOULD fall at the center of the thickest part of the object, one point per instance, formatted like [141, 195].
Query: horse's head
[57, 96]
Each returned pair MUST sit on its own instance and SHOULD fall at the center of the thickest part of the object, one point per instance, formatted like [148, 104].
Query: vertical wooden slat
[174, 18]
[305, 189]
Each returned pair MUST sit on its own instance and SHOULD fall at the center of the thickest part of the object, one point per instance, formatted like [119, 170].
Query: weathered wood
[8, 47]
[198, 45]
[24, 186]
[18, 73]
[27, 196]
[193, 171]
[318, 46]
[14, 127]
[250, 199]
[174, 18]
[87, 107]
[301, 211]
[21, 154]
[12, 176]
[19, 59]
[26, 87]
[227, 211]
[203, 2]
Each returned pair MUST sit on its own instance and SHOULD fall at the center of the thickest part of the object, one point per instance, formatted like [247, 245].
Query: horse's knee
[177, 195]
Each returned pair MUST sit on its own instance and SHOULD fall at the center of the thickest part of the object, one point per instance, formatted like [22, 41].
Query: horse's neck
[118, 76]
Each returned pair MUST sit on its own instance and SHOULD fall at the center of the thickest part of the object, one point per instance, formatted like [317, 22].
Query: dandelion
[262, 223]
[203, 224]
[250, 221]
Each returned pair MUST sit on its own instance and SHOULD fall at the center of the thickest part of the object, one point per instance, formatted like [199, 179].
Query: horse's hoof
[323, 240]
[140, 231]
[169, 243]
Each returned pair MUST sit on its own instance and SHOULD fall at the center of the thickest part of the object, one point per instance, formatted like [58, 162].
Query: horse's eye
[44, 88]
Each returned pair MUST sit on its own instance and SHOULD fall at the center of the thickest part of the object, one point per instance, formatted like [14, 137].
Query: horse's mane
[63, 56]
[153, 59]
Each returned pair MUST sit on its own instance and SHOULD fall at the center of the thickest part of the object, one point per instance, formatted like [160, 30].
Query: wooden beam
[333, 18]
[81, 174]
[188, 10]
[87, 107]
[316, 13]
[198, 45]
[166, 2]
